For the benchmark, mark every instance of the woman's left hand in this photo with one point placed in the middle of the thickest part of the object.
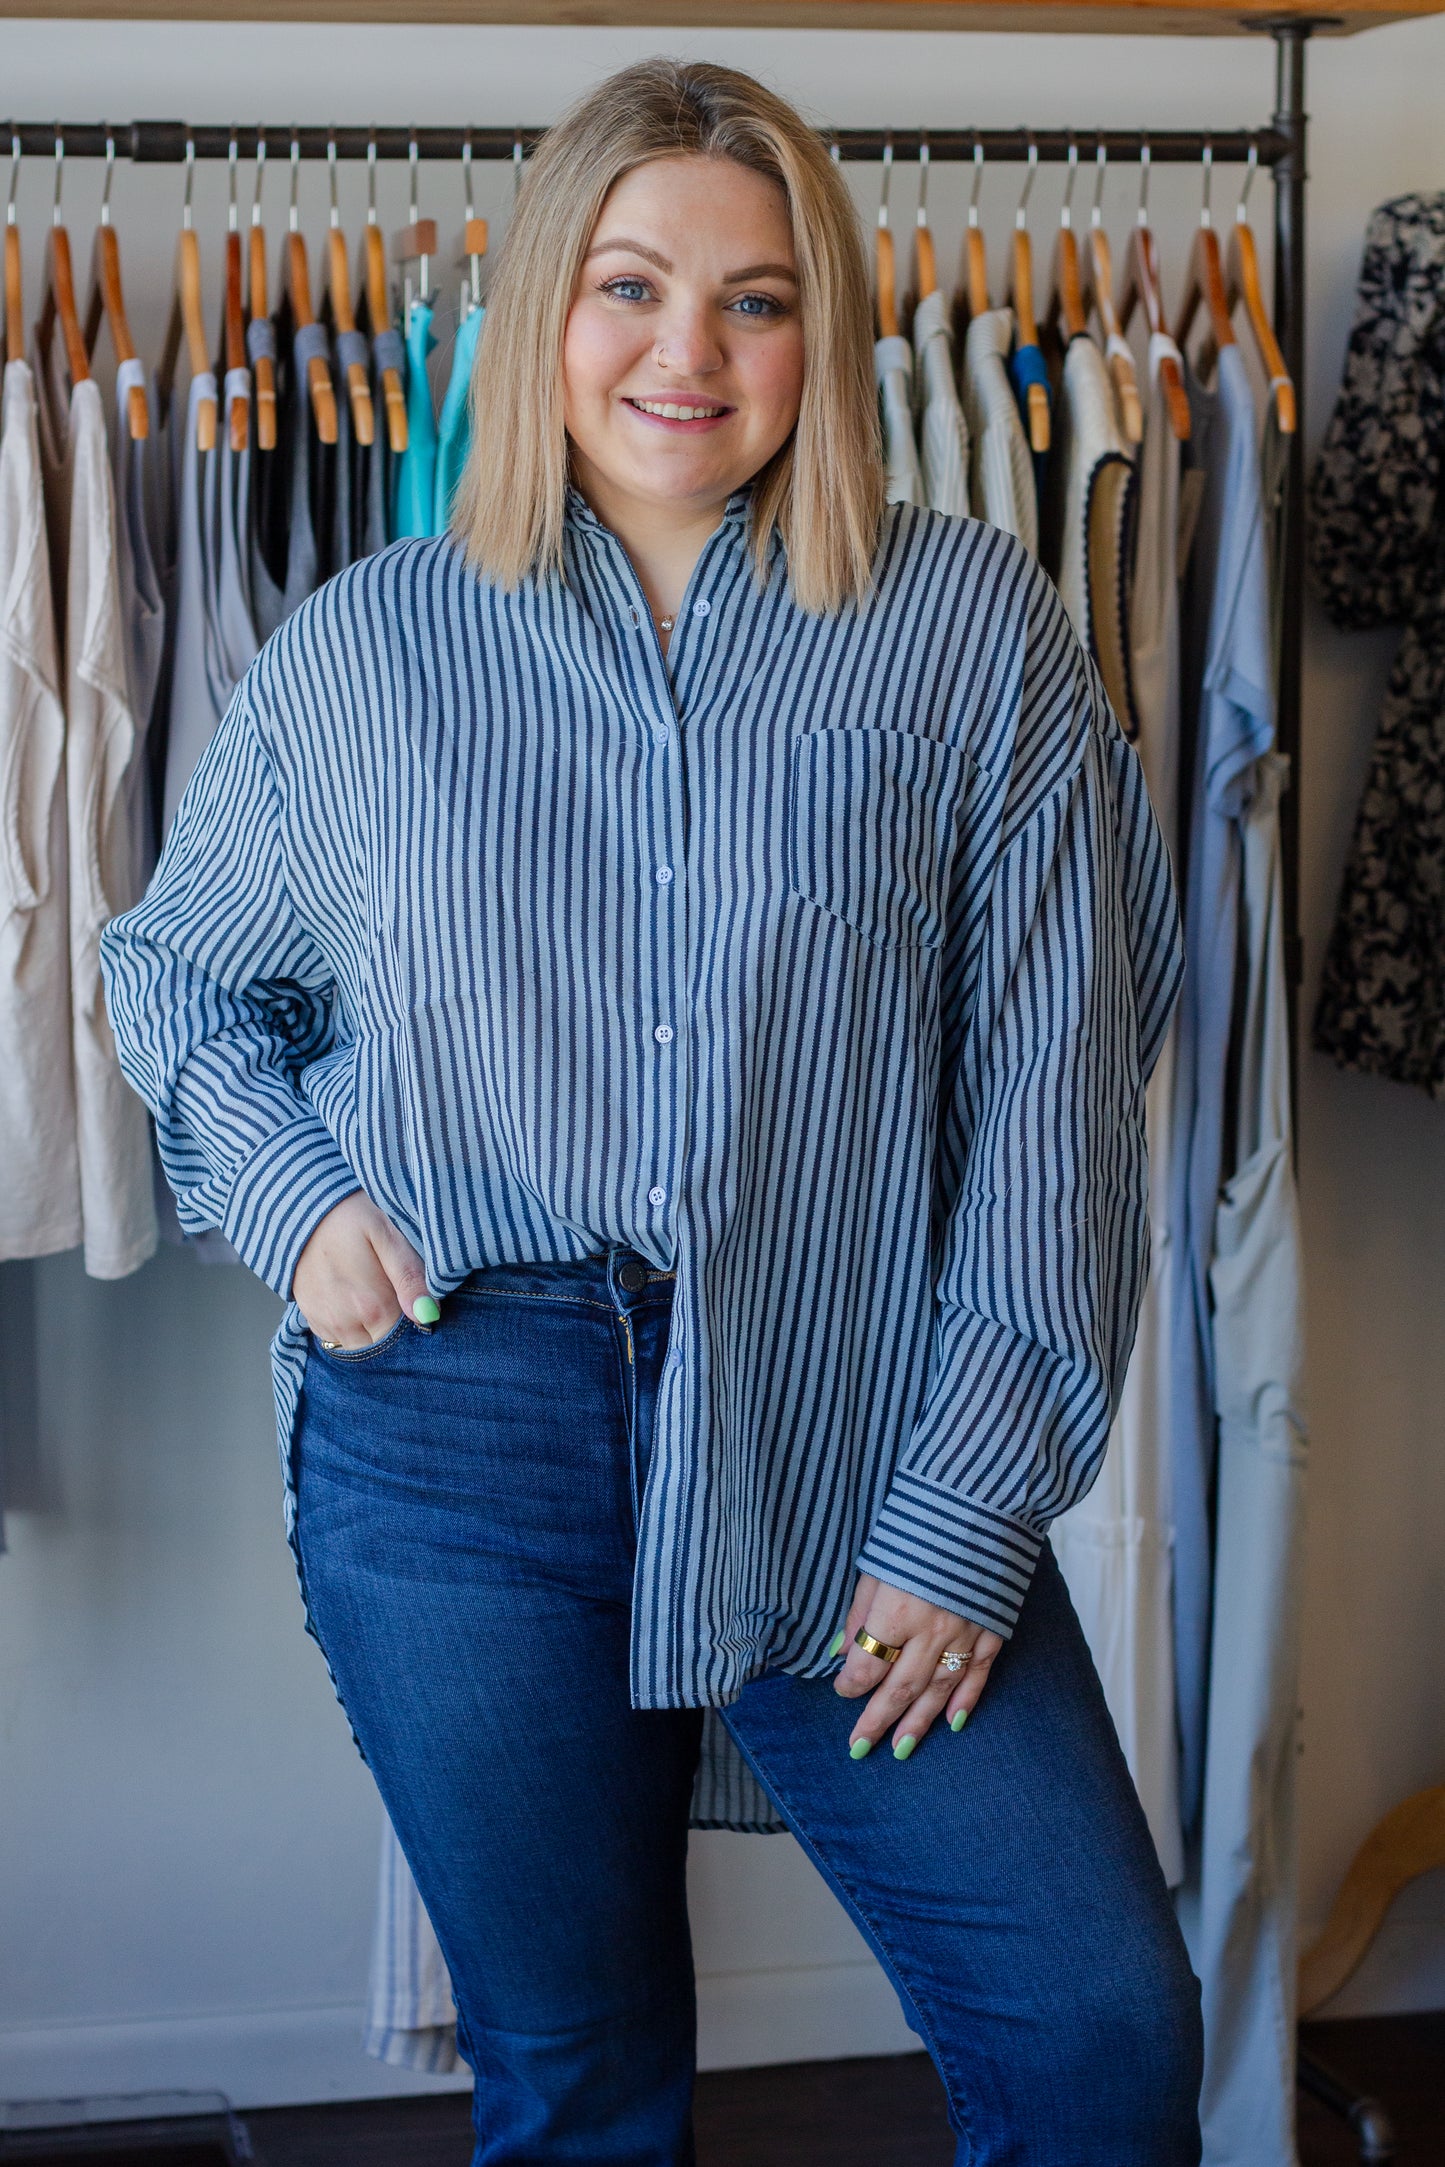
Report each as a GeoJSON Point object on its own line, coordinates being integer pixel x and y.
{"type": "Point", "coordinates": [908, 1694]}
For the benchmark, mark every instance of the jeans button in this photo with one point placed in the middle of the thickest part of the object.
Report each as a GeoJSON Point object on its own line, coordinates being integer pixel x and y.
{"type": "Point", "coordinates": [631, 1276]}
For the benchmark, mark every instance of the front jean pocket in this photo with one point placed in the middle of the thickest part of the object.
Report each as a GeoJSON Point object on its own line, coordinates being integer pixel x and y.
{"type": "Point", "coordinates": [872, 820]}
{"type": "Point", "coordinates": [387, 1340]}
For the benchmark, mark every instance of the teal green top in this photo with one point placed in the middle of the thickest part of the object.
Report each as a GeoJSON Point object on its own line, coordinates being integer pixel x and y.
{"type": "Point", "coordinates": [414, 486]}
{"type": "Point", "coordinates": [455, 429]}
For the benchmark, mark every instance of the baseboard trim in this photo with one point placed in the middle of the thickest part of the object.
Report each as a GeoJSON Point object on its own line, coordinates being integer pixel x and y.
{"type": "Point", "coordinates": [301, 2057]}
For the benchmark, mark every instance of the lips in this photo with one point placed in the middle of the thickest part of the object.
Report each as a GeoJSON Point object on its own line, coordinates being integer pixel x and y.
{"type": "Point", "coordinates": [684, 414]}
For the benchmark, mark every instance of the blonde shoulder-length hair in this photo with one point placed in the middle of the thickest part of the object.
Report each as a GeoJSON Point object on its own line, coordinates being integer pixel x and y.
{"type": "Point", "coordinates": [824, 488]}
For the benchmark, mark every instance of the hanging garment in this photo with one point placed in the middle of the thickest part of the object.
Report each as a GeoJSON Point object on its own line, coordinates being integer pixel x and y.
{"type": "Point", "coordinates": [352, 457]}
{"type": "Point", "coordinates": [1227, 701]}
{"type": "Point", "coordinates": [40, 1188]}
{"type": "Point", "coordinates": [1377, 546]}
{"type": "Point", "coordinates": [942, 430]}
{"type": "Point", "coordinates": [1001, 484]}
{"type": "Point", "coordinates": [415, 478]}
{"type": "Point", "coordinates": [1116, 1545]}
{"type": "Point", "coordinates": [194, 707]}
{"type": "Point", "coordinates": [228, 514]}
{"type": "Point", "coordinates": [411, 2015]}
{"type": "Point", "coordinates": [142, 601]}
{"type": "Point", "coordinates": [454, 430]}
{"type": "Point", "coordinates": [1028, 370]}
{"type": "Point", "coordinates": [1238, 1907]}
{"type": "Point", "coordinates": [388, 351]}
{"type": "Point", "coordinates": [1085, 529]}
{"type": "Point", "coordinates": [293, 486]}
{"type": "Point", "coordinates": [113, 1134]}
{"type": "Point", "coordinates": [893, 368]}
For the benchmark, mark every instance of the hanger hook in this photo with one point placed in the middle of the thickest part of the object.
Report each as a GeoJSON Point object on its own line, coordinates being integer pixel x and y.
{"type": "Point", "coordinates": [1066, 211]}
{"type": "Point", "coordinates": [1021, 215]}
{"type": "Point", "coordinates": [977, 180]}
{"type": "Point", "coordinates": [10, 215]}
{"type": "Point", "coordinates": [233, 216]}
{"type": "Point", "coordinates": [1101, 167]}
{"type": "Point", "coordinates": [835, 151]}
{"type": "Point", "coordinates": [467, 175]}
{"type": "Point", "coordinates": [260, 175]}
{"type": "Point", "coordinates": [1208, 164]}
{"type": "Point", "coordinates": [413, 157]}
{"type": "Point", "coordinates": [1251, 168]}
{"type": "Point", "coordinates": [923, 158]}
{"type": "Point", "coordinates": [1145, 160]}
{"type": "Point", "coordinates": [331, 175]}
{"type": "Point", "coordinates": [109, 177]}
{"type": "Point", "coordinates": [293, 215]}
{"type": "Point", "coordinates": [59, 172]}
{"type": "Point", "coordinates": [516, 164]}
{"type": "Point", "coordinates": [371, 178]}
{"type": "Point", "coordinates": [186, 220]}
{"type": "Point", "coordinates": [887, 177]}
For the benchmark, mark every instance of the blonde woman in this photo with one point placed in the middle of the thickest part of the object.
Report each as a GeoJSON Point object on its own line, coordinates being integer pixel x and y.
{"type": "Point", "coordinates": [662, 979]}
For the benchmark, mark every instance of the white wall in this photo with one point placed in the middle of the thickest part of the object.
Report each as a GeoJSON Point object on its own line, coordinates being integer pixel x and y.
{"type": "Point", "coordinates": [189, 1840]}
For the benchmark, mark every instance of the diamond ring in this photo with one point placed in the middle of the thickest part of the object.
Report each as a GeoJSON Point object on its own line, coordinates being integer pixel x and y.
{"type": "Point", "coordinates": [954, 1658]}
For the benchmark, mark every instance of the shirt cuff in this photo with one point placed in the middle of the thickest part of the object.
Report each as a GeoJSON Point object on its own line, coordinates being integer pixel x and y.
{"type": "Point", "coordinates": [952, 1551]}
{"type": "Point", "coordinates": [288, 1184]}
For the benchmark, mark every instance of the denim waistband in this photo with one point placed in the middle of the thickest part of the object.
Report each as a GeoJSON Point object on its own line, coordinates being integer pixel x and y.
{"type": "Point", "coordinates": [617, 1274]}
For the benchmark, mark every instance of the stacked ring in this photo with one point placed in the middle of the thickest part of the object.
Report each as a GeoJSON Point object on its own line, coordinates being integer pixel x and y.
{"type": "Point", "coordinates": [954, 1658]}
{"type": "Point", "coordinates": [870, 1646]}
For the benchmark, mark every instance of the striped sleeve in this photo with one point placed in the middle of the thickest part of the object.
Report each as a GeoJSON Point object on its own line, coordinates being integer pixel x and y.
{"type": "Point", "coordinates": [1045, 1243]}
{"type": "Point", "coordinates": [218, 998]}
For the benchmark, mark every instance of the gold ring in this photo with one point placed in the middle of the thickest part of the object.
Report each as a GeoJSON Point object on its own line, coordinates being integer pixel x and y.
{"type": "Point", "coordinates": [954, 1658]}
{"type": "Point", "coordinates": [331, 1344]}
{"type": "Point", "coordinates": [870, 1646]}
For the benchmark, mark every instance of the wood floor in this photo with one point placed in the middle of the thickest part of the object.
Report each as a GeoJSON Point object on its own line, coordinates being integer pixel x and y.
{"type": "Point", "coordinates": [884, 2113]}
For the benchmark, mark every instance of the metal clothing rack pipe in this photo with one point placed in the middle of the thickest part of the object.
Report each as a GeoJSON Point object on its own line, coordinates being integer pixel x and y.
{"type": "Point", "coordinates": [163, 142]}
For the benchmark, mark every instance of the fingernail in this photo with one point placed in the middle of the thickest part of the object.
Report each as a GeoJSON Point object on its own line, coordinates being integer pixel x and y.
{"type": "Point", "coordinates": [859, 1747]}
{"type": "Point", "coordinates": [425, 1310]}
{"type": "Point", "coordinates": [836, 1643]}
{"type": "Point", "coordinates": [904, 1746]}
{"type": "Point", "coordinates": [956, 1723]}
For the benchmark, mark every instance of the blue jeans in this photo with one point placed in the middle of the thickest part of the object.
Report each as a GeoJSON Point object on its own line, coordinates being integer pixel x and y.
{"type": "Point", "coordinates": [467, 1507]}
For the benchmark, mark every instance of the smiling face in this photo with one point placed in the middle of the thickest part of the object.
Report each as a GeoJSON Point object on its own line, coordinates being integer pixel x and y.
{"type": "Point", "coordinates": [687, 298]}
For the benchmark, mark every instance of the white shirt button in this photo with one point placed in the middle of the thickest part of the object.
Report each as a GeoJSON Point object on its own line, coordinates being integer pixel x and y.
{"type": "Point", "coordinates": [660, 733]}
{"type": "Point", "coordinates": [701, 608]}
{"type": "Point", "coordinates": [657, 1196]}
{"type": "Point", "coordinates": [663, 1033]}
{"type": "Point", "coordinates": [664, 874]}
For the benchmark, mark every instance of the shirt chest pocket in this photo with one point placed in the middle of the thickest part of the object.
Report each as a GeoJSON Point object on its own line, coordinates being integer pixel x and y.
{"type": "Point", "coordinates": [872, 817]}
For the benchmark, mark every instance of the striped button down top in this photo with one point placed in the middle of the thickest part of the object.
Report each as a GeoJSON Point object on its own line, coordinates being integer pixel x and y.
{"type": "Point", "coordinates": [822, 960]}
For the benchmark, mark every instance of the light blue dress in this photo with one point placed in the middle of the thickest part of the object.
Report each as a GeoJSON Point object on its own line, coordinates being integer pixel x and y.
{"type": "Point", "coordinates": [454, 431]}
{"type": "Point", "coordinates": [414, 480]}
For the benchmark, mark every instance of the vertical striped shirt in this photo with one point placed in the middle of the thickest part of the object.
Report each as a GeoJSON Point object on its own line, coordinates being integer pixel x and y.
{"type": "Point", "coordinates": [822, 960]}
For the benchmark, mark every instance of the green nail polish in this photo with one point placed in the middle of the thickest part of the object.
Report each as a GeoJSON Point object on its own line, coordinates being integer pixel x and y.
{"type": "Point", "coordinates": [859, 1747]}
{"type": "Point", "coordinates": [425, 1310]}
{"type": "Point", "coordinates": [904, 1746]}
{"type": "Point", "coordinates": [956, 1723]}
{"type": "Point", "coordinates": [837, 1642]}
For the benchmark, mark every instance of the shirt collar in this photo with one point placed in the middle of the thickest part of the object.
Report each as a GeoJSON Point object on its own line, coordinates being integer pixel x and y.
{"type": "Point", "coordinates": [580, 513]}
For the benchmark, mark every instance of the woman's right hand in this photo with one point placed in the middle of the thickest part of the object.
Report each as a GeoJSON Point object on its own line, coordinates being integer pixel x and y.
{"type": "Point", "coordinates": [356, 1273]}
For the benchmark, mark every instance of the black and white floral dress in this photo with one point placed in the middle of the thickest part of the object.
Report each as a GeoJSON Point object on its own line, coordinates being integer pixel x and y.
{"type": "Point", "coordinates": [1377, 549]}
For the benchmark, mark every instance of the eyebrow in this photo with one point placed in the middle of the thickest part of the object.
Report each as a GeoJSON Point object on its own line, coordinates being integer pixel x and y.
{"type": "Point", "coordinates": [733, 278]}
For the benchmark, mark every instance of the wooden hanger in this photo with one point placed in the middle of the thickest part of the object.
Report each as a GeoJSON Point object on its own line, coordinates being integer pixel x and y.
{"type": "Point", "coordinates": [186, 316]}
{"type": "Point", "coordinates": [338, 288]}
{"type": "Point", "coordinates": [263, 368]}
{"type": "Point", "coordinates": [298, 286]}
{"type": "Point", "coordinates": [885, 270]}
{"type": "Point", "coordinates": [1141, 284]}
{"type": "Point", "coordinates": [233, 317]}
{"type": "Point", "coordinates": [376, 298]}
{"type": "Point", "coordinates": [57, 297]}
{"type": "Point", "coordinates": [14, 286]}
{"type": "Point", "coordinates": [1065, 307]}
{"type": "Point", "coordinates": [1098, 292]}
{"type": "Point", "coordinates": [1021, 299]}
{"type": "Point", "coordinates": [107, 303]}
{"type": "Point", "coordinates": [472, 246]}
{"type": "Point", "coordinates": [1410, 1841]}
{"type": "Point", "coordinates": [923, 269]}
{"type": "Point", "coordinates": [970, 296]}
{"type": "Point", "coordinates": [1242, 282]}
{"type": "Point", "coordinates": [1204, 278]}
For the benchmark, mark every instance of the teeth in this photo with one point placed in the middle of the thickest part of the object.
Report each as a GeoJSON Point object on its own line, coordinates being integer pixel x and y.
{"type": "Point", "coordinates": [677, 413]}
